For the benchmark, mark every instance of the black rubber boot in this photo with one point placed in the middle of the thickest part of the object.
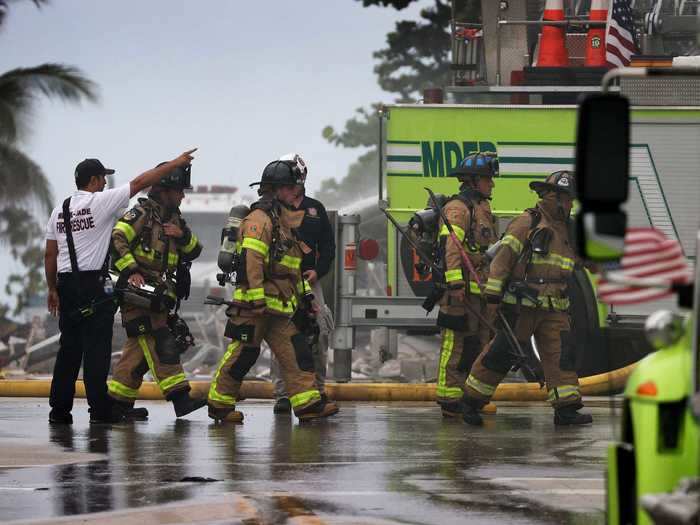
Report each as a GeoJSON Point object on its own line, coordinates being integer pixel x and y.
{"type": "Point", "coordinates": [470, 411]}
{"type": "Point", "coordinates": [137, 414]}
{"type": "Point", "coordinates": [283, 406]}
{"type": "Point", "coordinates": [112, 417]}
{"type": "Point", "coordinates": [570, 416]}
{"type": "Point", "coordinates": [184, 404]}
{"type": "Point", "coordinates": [225, 415]}
{"type": "Point", "coordinates": [57, 417]}
{"type": "Point", "coordinates": [120, 409]}
{"type": "Point", "coordinates": [125, 411]}
{"type": "Point", "coordinates": [451, 409]}
{"type": "Point", "coordinates": [318, 410]}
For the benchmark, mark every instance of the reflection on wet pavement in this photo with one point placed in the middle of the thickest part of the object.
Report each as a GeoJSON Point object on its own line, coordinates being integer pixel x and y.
{"type": "Point", "coordinates": [399, 462]}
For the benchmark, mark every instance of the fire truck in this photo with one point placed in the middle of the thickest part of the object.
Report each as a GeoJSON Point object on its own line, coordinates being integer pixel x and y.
{"type": "Point", "coordinates": [501, 100]}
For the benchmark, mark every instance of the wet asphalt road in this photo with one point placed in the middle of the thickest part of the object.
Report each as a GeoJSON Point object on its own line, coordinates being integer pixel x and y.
{"type": "Point", "coordinates": [372, 462]}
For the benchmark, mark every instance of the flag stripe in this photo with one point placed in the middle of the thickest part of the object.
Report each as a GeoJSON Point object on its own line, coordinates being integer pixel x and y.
{"type": "Point", "coordinates": [613, 53]}
{"type": "Point", "coordinates": [651, 258]}
{"type": "Point", "coordinates": [623, 37]}
{"type": "Point", "coordinates": [640, 297]}
{"type": "Point", "coordinates": [680, 275]}
{"type": "Point", "coordinates": [619, 34]}
{"type": "Point", "coordinates": [631, 262]}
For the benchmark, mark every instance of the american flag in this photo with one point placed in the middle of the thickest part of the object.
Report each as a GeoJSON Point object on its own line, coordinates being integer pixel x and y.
{"type": "Point", "coordinates": [649, 258]}
{"type": "Point", "coordinates": [619, 34]}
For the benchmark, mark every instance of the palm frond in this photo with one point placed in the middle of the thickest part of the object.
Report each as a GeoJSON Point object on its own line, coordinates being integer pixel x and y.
{"type": "Point", "coordinates": [22, 181]}
{"type": "Point", "coordinates": [13, 227]}
{"type": "Point", "coordinates": [5, 5]}
{"type": "Point", "coordinates": [20, 87]}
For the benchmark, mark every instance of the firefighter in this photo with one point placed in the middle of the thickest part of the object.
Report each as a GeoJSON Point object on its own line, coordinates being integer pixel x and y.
{"type": "Point", "coordinates": [151, 246]}
{"type": "Point", "coordinates": [271, 302]}
{"type": "Point", "coordinates": [317, 233]}
{"type": "Point", "coordinates": [528, 281]}
{"type": "Point", "coordinates": [80, 289]}
{"type": "Point", "coordinates": [463, 334]}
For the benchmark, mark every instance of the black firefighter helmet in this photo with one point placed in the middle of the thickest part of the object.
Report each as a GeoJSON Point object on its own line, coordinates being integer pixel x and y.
{"type": "Point", "coordinates": [177, 179]}
{"type": "Point", "coordinates": [560, 181]}
{"type": "Point", "coordinates": [279, 173]}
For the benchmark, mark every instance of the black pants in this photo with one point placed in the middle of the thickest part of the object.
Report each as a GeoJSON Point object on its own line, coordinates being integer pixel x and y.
{"type": "Point", "coordinates": [87, 340]}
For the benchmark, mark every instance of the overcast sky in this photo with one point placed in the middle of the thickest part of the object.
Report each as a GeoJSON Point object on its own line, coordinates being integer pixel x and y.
{"type": "Point", "coordinates": [243, 81]}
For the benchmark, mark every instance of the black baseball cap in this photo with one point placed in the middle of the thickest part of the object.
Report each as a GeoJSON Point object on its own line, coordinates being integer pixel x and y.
{"type": "Point", "coordinates": [90, 168]}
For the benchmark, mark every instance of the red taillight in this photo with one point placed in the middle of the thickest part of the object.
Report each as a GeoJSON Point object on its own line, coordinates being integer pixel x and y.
{"type": "Point", "coordinates": [368, 249]}
{"type": "Point", "coordinates": [350, 261]}
{"type": "Point", "coordinates": [647, 389]}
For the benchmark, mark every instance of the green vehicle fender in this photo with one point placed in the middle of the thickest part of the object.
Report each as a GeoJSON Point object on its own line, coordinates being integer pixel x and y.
{"type": "Point", "coordinates": [664, 372]}
{"type": "Point", "coordinates": [660, 437]}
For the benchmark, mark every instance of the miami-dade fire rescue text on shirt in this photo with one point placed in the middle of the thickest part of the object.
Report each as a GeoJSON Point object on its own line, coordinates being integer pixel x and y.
{"type": "Point", "coordinates": [92, 218]}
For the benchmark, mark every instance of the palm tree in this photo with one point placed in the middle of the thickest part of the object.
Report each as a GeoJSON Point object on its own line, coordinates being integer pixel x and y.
{"type": "Point", "coordinates": [22, 182]}
{"type": "Point", "coordinates": [24, 189]}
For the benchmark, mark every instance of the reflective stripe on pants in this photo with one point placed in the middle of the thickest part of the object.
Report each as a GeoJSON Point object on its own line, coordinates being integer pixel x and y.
{"type": "Point", "coordinates": [138, 356]}
{"type": "Point", "coordinates": [277, 332]}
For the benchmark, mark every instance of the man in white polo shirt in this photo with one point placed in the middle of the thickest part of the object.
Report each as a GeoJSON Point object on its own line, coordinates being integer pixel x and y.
{"type": "Point", "coordinates": [79, 286]}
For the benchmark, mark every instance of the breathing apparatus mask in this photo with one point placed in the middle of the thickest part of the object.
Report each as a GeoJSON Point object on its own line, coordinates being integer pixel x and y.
{"type": "Point", "coordinates": [181, 332]}
{"type": "Point", "coordinates": [423, 226]}
{"type": "Point", "coordinates": [156, 298]}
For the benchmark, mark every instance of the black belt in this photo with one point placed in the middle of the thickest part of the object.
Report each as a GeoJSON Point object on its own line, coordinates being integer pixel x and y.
{"type": "Point", "coordinates": [534, 280]}
{"type": "Point", "coordinates": [87, 275]}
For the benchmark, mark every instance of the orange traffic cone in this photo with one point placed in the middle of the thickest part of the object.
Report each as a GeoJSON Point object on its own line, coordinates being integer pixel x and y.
{"type": "Point", "coordinates": [553, 42]}
{"type": "Point", "coordinates": [595, 41]}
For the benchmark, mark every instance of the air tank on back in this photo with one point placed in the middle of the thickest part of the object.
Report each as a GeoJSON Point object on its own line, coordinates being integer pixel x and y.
{"type": "Point", "coordinates": [227, 259]}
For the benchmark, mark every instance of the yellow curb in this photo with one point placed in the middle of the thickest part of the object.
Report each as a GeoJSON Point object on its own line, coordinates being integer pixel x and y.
{"type": "Point", "coordinates": [600, 384]}
{"type": "Point", "coordinates": [229, 508]}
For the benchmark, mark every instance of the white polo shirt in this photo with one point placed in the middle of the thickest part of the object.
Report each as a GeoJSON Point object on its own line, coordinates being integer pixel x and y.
{"type": "Point", "coordinates": [93, 216]}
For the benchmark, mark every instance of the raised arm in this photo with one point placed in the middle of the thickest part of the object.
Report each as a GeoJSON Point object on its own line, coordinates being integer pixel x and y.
{"type": "Point", "coordinates": [150, 177]}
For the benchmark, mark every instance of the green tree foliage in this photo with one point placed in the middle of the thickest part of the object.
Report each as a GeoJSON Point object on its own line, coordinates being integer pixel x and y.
{"type": "Point", "coordinates": [417, 54]}
{"type": "Point", "coordinates": [24, 188]}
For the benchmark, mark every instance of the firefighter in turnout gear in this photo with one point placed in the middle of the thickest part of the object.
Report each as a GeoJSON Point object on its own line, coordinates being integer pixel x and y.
{"type": "Point", "coordinates": [271, 302]}
{"type": "Point", "coordinates": [528, 280]}
{"type": "Point", "coordinates": [317, 233]}
{"type": "Point", "coordinates": [151, 246]}
{"type": "Point", "coordinates": [463, 334]}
